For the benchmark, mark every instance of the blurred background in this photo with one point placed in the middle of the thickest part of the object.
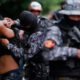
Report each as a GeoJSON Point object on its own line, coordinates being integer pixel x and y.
{"type": "Point", "coordinates": [12, 8]}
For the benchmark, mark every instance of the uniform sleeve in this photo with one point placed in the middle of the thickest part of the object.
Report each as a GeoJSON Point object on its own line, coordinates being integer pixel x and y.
{"type": "Point", "coordinates": [18, 52]}
{"type": "Point", "coordinates": [58, 51]}
{"type": "Point", "coordinates": [35, 42]}
{"type": "Point", "coordinates": [54, 33]}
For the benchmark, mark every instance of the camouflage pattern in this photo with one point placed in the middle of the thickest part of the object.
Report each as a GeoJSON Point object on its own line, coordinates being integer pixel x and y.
{"type": "Point", "coordinates": [17, 49]}
{"type": "Point", "coordinates": [54, 34]}
{"type": "Point", "coordinates": [69, 66]}
{"type": "Point", "coordinates": [59, 51]}
{"type": "Point", "coordinates": [43, 23]}
{"type": "Point", "coordinates": [59, 54]}
{"type": "Point", "coordinates": [38, 70]}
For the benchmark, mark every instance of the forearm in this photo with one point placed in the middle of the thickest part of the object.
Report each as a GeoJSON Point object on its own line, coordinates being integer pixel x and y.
{"type": "Point", "coordinates": [6, 32]}
{"type": "Point", "coordinates": [18, 52]}
{"type": "Point", "coordinates": [5, 28]}
{"type": "Point", "coordinates": [59, 53]}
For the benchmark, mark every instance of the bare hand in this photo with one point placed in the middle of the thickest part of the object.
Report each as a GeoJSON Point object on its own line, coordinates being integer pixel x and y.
{"type": "Point", "coordinates": [8, 22]}
{"type": "Point", "coordinates": [49, 44]}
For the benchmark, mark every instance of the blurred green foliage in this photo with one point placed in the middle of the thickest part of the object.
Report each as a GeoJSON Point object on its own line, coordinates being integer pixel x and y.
{"type": "Point", "coordinates": [50, 5]}
{"type": "Point", "coordinates": [12, 8]}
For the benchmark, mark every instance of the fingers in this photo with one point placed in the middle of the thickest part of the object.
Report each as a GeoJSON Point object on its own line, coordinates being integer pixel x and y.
{"type": "Point", "coordinates": [8, 22]}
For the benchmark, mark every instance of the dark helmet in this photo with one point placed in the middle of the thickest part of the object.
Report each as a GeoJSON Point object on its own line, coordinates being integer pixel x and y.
{"type": "Point", "coordinates": [72, 7]}
{"type": "Point", "coordinates": [27, 19]}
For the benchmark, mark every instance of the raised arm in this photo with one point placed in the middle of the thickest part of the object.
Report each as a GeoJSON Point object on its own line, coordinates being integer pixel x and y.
{"type": "Point", "coordinates": [5, 26]}
{"type": "Point", "coordinates": [53, 46]}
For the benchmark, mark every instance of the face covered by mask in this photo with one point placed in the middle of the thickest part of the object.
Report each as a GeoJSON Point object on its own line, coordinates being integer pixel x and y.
{"type": "Point", "coordinates": [28, 20]}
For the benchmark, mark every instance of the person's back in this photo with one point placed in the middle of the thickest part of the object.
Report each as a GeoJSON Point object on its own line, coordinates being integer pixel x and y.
{"type": "Point", "coordinates": [39, 68]}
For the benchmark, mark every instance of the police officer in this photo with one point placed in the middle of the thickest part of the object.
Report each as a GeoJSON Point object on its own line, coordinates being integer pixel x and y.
{"type": "Point", "coordinates": [61, 44]}
{"type": "Point", "coordinates": [42, 24]}
{"type": "Point", "coordinates": [69, 27]}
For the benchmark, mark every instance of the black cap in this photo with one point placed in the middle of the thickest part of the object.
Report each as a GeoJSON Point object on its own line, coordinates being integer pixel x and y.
{"type": "Point", "coordinates": [28, 19]}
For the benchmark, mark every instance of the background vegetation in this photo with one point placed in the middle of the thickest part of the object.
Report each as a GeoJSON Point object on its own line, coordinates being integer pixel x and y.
{"type": "Point", "coordinates": [12, 8]}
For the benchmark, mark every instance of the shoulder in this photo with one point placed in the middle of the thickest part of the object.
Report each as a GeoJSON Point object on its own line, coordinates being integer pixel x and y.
{"type": "Point", "coordinates": [44, 21]}
{"type": "Point", "coordinates": [36, 36]}
{"type": "Point", "coordinates": [42, 17]}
